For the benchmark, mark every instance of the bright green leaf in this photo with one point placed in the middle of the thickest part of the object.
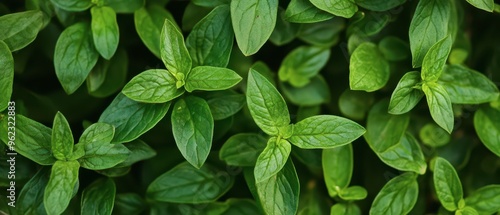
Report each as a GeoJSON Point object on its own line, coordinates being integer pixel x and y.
{"type": "Point", "coordinates": [99, 197]}
{"type": "Point", "coordinates": [405, 97]}
{"type": "Point", "coordinates": [242, 149]}
{"type": "Point", "coordinates": [405, 156]}
{"type": "Point", "coordinates": [174, 53]}
{"type": "Point", "coordinates": [102, 155]}
{"type": "Point", "coordinates": [435, 59]}
{"type": "Point", "coordinates": [303, 11]}
{"type": "Point", "coordinates": [6, 75]}
{"type": "Point", "coordinates": [337, 166]}
{"type": "Point", "coordinates": [105, 31]}
{"type": "Point", "coordinates": [62, 138]}
{"type": "Point", "coordinates": [369, 71]}
{"type": "Point", "coordinates": [153, 86]}
{"type": "Point", "coordinates": [272, 159]}
{"type": "Point", "coordinates": [345, 209]}
{"type": "Point", "coordinates": [148, 23]}
{"type": "Point", "coordinates": [486, 200]}
{"type": "Point", "coordinates": [342, 8]}
{"type": "Point", "coordinates": [433, 135]}
{"type": "Point", "coordinates": [101, 132]}
{"type": "Point", "coordinates": [302, 64]}
{"type": "Point", "coordinates": [353, 193]}
{"type": "Point", "coordinates": [439, 105]}
{"type": "Point", "coordinates": [59, 190]}
{"type": "Point", "coordinates": [210, 78]}
{"type": "Point", "coordinates": [487, 128]}
{"type": "Point", "coordinates": [487, 5]}
{"type": "Point", "coordinates": [20, 29]}
{"type": "Point", "coordinates": [398, 196]}
{"type": "Point", "coordinates": [447, 184]}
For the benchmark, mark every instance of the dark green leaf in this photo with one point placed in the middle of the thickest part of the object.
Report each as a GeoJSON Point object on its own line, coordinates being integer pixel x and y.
{"type": "Point", "coordinates": [105, 31]}
{"type": "Point", "coordinates": [124, 6]}
{"type": "Point", "coordinates": [224, 104]}
{"type": "Point", "coordinates": [210, 3]}
{"type": "Point", "coordinates": [337, 168]}
{"type": "Point", "coordinates": [447, 184]}
{"type": "Point", "coordinates": [73, 5]}
{"type": "Point", "coordinates": [153, 86]}
{"type": "Point", "coordinates": [31, 196]}
{"type": "Point", "coordinates": [253, 22]}
{"type": "Point", "coordinates": [303, 11]}
{"type": "Point", "coordinates": [486, 200]}
{"type": "Point", "coordinates": [20, 29]}
{"type": "Point", "coordinates": [139, 150]}
{"type": "Point", "coordinates": [114, 75]}
{"type": "Point", "coordinates": [342, 8]}
{"type": "Point", "coordinates": [6, 75]}
{"type": "Point", "coordinates": [368, 24]}
{"type": "Point", "coordinates": [193, 128]}
{"type": "Point", "coordinates": [59, 190]}
{"type": "Point", "coordinates": [211, 40]}
{"type": "Point", "coordinates": [187, 184]}
{"type": "Point", "coordinates": [314, 93]}
{"type": "Point", "coordinates": [303, 63]}
{"type": "Point", "coordinates": [433, 135]}
{"type": "Point", "coordinates": [210, 78]}
{"type": "Point", "coordinates": [379, 5]}
{"type": "Point", "coordinates": [405, 97]}
{"type": "Point", "coordinates": [355, 104]}
{"type": "Point", "coordinates": [272, 159]}
{"type": "Point", "coordinates": [435, 59]}
{"type": "Point", "coordinates": [102, 155]}
{"type": "Point", "coordinates": [369, 71]}
{"type": "Point", "coordinates": [242, 149]}
{"type": "Point", "coordinates": [148, 23]}
{"type": "Point", "coordinates": [128, 203]}
{"type": "Point", "coordinates": [393, 48]}
{"type": "Point", "coordinates": [487, 128]}
{"type": "Point", "coordinates": [62, 138]}
{"type": "Point", "coordinates": [241, 207]}
{"type": "Point", "coordinates": [405, 156]}
{"type": "Point", "coordinates": [74, 56]}
{"type": "Point", "coordinates": [398, 196]}
{"type": "Point", "coordinates": [285, 31]}
{"type": "Point", "coordinates": [324, 34]}
{"type": "Point", "coordinates": [439, 105]}
{"type": "Point", "coordinates": [130, 118]}
{"type": "Point", "coordinates": [99, 197]}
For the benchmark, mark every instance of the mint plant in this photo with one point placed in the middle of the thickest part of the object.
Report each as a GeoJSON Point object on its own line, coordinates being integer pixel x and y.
{"type": "Point", "coordinates": [249, 107]}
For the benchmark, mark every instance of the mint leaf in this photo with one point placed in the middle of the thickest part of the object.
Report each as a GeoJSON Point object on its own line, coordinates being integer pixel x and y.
{"type": "Point", "coordinates": [266, 105]}
{"type": "Point", "coordinates": [174, 53]}
{"type": "Point", "coordinates": [393, 48]}
{"type": "Point", "coordinates": [342, 8]}
{"type": "Point", "coordinates": [31, 196]}
{"type": "Point", "coordinates": [211, 40]}
{"type": "Point", "coordinates": [487, 5]}
{"type": "Point", "coordinates": [33, 139]}
{"type": "Point", "coordinates": [355, 104]}
{"type": "Point", "coordinates": [280, 194]}
{"type": "Point", "coordinates": [368, 69]}
{"type": "Point", "coordinates": [345, 208]}
{"type": "Point", "coordinates": [324, 34]}
{"type": "Point", "coordinates": [353, 193]}
{"type": "Point", "coordinates": [114, 74]}
{"type": "Point", "coordinates": [242, 149]}
{"type": "Point", "coordinates": [398, 196]}
{"type": "Point", "coordinates": [99, 197]}
{"type": "Point", "coordinates": [73, 5]}
{"type": "Point", "coordinates": [486, 200]}
{"type": "Point", "coordinates": [487, 128]}
{"type": "Point", "coordinates": [428, 25]}
{"type": "Point", "coordinates": [210, 78]}
{"type": "Point", "coordinates": [315, 92]}
{"type": "Point", "coordinates": [131, 119]}
{"type": "Point", "coordinates": [99, 131]}
{"type": "Point", "coordinates": [466, 86]}
{"type": "Point", "coordinates": [405, 156]}
{"type": "Point", "coordinates": [187, 184]}
{"type": "Point", "coordinates": [434, 136]}
{"type": "Point", "coordinates": [439, 105]}
{"type": "Point", "coordinates": [20, 29]}
{"type": "Point", "coordinates": [105, 30]}
{"type": "Point", "coordinates": [193, 128]}
{"type": "Point", "coordinates": [435, 59]}
{"type": "Point", "coordinates": [384, 130]}
{"type": "Point", "coordinates": [59, 189]}
{"type": "Point", "coordinates": [285, 31]}
{"type": "Point", "coordinates": [224, 104]}
{"type": "Point", "coordinates": [6, 75]}
{"type": "Point", "coordinates": [124, 6]}
{"type": "Point", "coordinates": [447, 184]}
{"type": "Point", "coordinates": [139, 151]}
{"type": "Point", "coordinates": [405, 97]}
{"type": "Point", "coordinates": [129, 203]}
{"type": "Point", "coordinates": [337, 166]}
{"type": "Point", "coordinates": [148, 24]}
{"type": "Point", "coordinates": [210, 3]}
{"type": "Point", "coordinates": [102, 155]}
{"type": "Point", "coordinates": [379, 5]}
{"type": "Point", "coordinates": [325, 131]}
{"type": "Point", "coordinates": [62, 138]}
{"type": "Point", "coordinates": [303, 63]}
{"type": "Point", "coordinates": [303, 11]}
{"type": "Point", "coordinates": [272, 159]}
{"type": "Point", "coordinates": [253, 23]}
{"type": "Point", "coordinates": [75, 56]}
{"type": "Point", "coordinates": [153, 86]}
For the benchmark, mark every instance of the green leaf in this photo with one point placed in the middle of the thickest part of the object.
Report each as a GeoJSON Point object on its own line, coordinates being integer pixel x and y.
{"type": "Point", "coordinates": [325, 131]}
{"type": "Point", "coordinates": [6, 75]}
{"type": "Point", "coordinates": [192, 15]}
{"type": "Point", "coordinates": [355, 104]}
{"type": "Point", "coordinates": [272, 159]}
{"type": "Point", "coordinates": [487, 5]}
{"type": "Point", "coordinates": [210, 3]}
{"type": "Point", "coordinates": [224, 104]}
{"type": "Point", "coordinates": [210, 78]}
{"type": "Point", "coordinates": [99, 197]}
{"type": "Point", "coordinates": [33, 139]}
{"type": "Point", "coordinates": [139, 151]}
{"type": "Point", "coordinates": [324, 34]}
{"type": "Point", "coordinates": [433, 135]}
{"type": "Point", "coordinates": [405, 97]}
{"type": "Point", "coordinates": [303, 11]}
{"type": "Point", "coordinates": [102, 155]}
{"type": "Point", "coordinates": [466, 211]}
{"type": "Point", "coordinates": [405, 156]}
{"type": "Point", "coordinates": [369, 71]}
{"type": "Point", "coordinates": [345, 209]}
{"type": "Point", "coordinates": [337, 166]}
{"type": "Point", "coordinates": [466, 86]}
{"type": "Point", "coordinates": [148, 24]}
{"type": "Point", "coordinates": [211, 40]}
{"type": "Point", "coordinates": [393, 48]}
{"type": "Point", "coordinates": [439, 105]}
{"type": "Point", "coordinates": [447, 184]}
{"type": "Point", "coordinates": [342, 8]}
{"type": "Point", "coordinates": [74, 56]}
{"type": "Point", "coordinates": [487, 128]}
{"type": "Point", "coordinates": [73, 5]}
{"type": "Point", "coordinates": [315, 92]}
{"type": "Point", "coordinates": [187, 184]}
{"type": "Point", "coordinates": [253, 23]}
{"type": "Point", "coordinates": [20, 29]}
{"type": "Point", "coordinates": [114, 76]}
{"type": "Point", "coordinates": [174, 53]}
{"type": "Point", "coordinates": [353, 193]}
{"type": "Point", "coordinates": [266, 105]}
{"type": "Point", "coordinates": [398, 196]}
{"type": "Point", "coordinates": [124, 6]}
{"type": "Point", "coordinates": [285, 31]}
{"type": "Point", "coordinates": [379, 5]}
{"type": "Point", "coordinates": [368, 24]}
{"type": "Point", "coordinates": [59, 190]}
{"type": "Point", "coordinates": [131, 119]}
{"type": "Point", "coordinates": [242, 149]}
{"type": "Point", "coordinates": [31, 196]}
{"type": "Point", "coordinates": [486, 200]}
{"type": "Point", "coordinates": [435, 59]}
{"type": "Point", "coordinates": [428, 25]}
{"type": "Point", "coordinates": [193, 128]}
{"type": "Point", "coordinates": [105, 30]}
{"type": "Point", "coordinates": [302, 64]}
{"type": "Point", "coordinates": [99, 131]}
{"type": "Point", "coordinates": [129, 203]}
{"type": "Point", "coordinates": [62, 138]}
{"type": "Point", "coordinates": [280, 194]}
{"type": "Point", "coordinates": [241, 207]}
{"type": "Point", "coordinates": [384, 130]}
{"type": "Point", "coordinates": [153, 86]}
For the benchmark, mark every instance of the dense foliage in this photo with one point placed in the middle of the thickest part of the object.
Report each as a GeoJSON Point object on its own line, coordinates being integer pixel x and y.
{"type": "Point", "coordinates": [250, 107]}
